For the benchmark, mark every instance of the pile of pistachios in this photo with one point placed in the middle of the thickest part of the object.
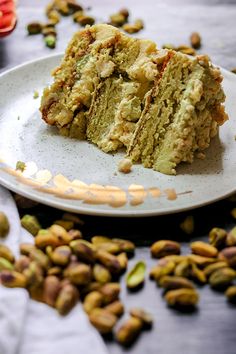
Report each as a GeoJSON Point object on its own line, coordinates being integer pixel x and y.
{"type": "Point", "coordinates": [213, 263]}
{"type": "Point", "coordinates": [195, 44]}
{"type": "Point", "coordinates": [58, 8]}
{"type": "Point", "coordinates": [61, 267]}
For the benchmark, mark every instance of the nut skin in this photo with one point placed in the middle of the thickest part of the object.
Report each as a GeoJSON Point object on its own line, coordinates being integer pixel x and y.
{"type": "Point", "coordinates": [55, 271]}
{"type": "Point", "coordinates": [228, 255]}
{"type": "Point", "coordinates": [92, 301]}
{"type": "Point", "coordinates": [101, 274]}
{"type": "Point", "coordinates": [197, 274]}
{"type": "Point", "coordinates": [118, 19]}
{"type": "Point", "coordinates": [125, 245]}
{"type": "Point", "coordinates": [6, 253]}
{"type": "Point", "coordinates": [136, 276]}
{"type": "Point", "coordinates": [102, 320]}
{"type": "Point", "coordinates": [116, 308]}
{"type": "Point", "coordinates": [201, 261]}
{"type": "Point", "coordinates": [231, 237]}
{"type": "Point", "coordinates": [183, 269]}
{"type": "Point", "coordinates": [165, 267]}
{"type": "Point", "coordinates": [26, 248]}
{"type": "Point", "coordinates": [39, 257]}
{"type": "Point", "coordinates": [169, 282]}
{"type": "Point", "coordinates": [110, 292]}
{"type": "Point", "coordinates": [5, 264]}
{"type": "Point", "coordinates": [220, 279]}
{"type": "Point", "coordinates": [67, 299]}
{"type": "Point", "coordinates": [46, 238]}
{"type": "Point", "coordinates": [78, 273]}
{"type": "Point", "coordinates": [13, 279]}
{"type": "Point", "coordinates": [215, 266]}
{"type": "Point", "coordinates": [22, 263]}
{"type": "Point", "coordinates": [182, 297]}
{"type": "Point", "coordinates": [83, 250]}
{"type": "Point", "coordinates": [231, 294]}
{"type": "Point", "coordinates": [129, 331]}
{"type": "Point", "coordinates": [51, 289]}
{"type": "Point", "coordinates": [203, 249]}
{"type": "Point", "coordinates": [4, 225]}
{"type": "Point", "coordinates": [163, 248]}
{"type": "Point", "coordinates": [217, 237]}
{"type": "Point", "coordinates": [61, 234]}
{"type": "Point", "coordinates": [34, 28]}
{"type": "Point", "coordinates": [109, 260]}
{"type": "Point", "coordinates": [31, 224]}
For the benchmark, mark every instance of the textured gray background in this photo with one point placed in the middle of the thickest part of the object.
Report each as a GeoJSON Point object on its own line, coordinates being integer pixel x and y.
{"type": "Point", "coordinates": [211, 329]}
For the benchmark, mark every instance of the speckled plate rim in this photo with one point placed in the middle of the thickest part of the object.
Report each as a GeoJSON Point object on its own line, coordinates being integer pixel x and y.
{"type": "Point", "coordinates": [60, 203]}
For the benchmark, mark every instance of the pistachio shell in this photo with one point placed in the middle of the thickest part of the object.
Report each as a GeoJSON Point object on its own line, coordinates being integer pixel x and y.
{"type": "Point", "coordinates": [136, 275]}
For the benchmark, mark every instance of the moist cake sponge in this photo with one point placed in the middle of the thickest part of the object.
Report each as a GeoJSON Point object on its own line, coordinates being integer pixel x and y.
{"type": "Point", "coordinates": [117, 91]}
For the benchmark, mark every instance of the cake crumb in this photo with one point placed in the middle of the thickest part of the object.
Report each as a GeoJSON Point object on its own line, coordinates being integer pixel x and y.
{"type": "Point", "coordinates": [125, 166]}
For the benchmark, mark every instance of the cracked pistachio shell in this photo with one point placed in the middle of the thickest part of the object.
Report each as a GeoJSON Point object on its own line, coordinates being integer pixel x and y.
{"type": "Point", "coordinates": [136, 275]}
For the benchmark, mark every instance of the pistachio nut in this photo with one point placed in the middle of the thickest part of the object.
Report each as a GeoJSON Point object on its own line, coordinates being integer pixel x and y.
{"type": "Point", "coordinates": [123, 260]}
{"type": "Point", "coordinates": [73, 217]}
{"type": "Point", "coordinates": [101, 274]}
{"type": "Point", "coordinates": [67, 299]}
{"type": "Point", "coordinates": [185, 49]}
{"type": "Point", "coordinates": [174, 258]}
{"type": "Point", "coordinates": [102, 320]}
{"type": "Point", "coordinates": [136, 275]}
{"type": "Point", "coordinates": [109, 260]}
{"type": "Point", "coordinates": [66, 224]}
{"type": "Point", "coordinates": [84, 250]}
{"type": "Point", "coordinates": [118, 19]}
{"type": "Point", "coordinates": [231, 237]}
{"type": "Point", "coordinates": [142, 315]}
{"type": "Point", "coordinates": [34, 28]}
{"type": "Point", "coordinates": [77, 15]}
{"type": "Point", "coordinates": [63, 7]}
{"type": "Point", "coordinates": [26, 248]}
{"type": "Point", "coordinates": [20, 166]}
{"type": "Point", "coordinates": [49, 31]}
{"type": "Point", "coordinates": [39, 257]}
{"type": "Point", "coordinates": [110, 247]}
{"type": "Point", "coordinates": [165, 267]}
{"type": "Point", "coordinates": [5, 264]}
{"type": "Point", "coordinates": [85, 20]}
{"type": "Point", "coordinates": [61, 234]}
{"type": "Point", "coordinates": [222, 278]}
{"type": "Point", "coordinates": [46, 238]}
{"type": "Point", "coordinates": [182, 297]}
{"type": "Point", "coordinates": [129, 331]}
{"type": "Point", "coordinates": [50, 41]}
{"type": "Point", "coordinates": [116, 308]}
{"type": "Point", "coordinates": [217, 237]}
{"type": "Point", "coordinates": [195, 40]}
{"type": "Point", "coordinates": [215, 266]}
{"type": "Point", "coordinates": [92, 301]}
{"type": "Point", "coordinates": [124, 12]}
{"type": "Point", "coordinates": [187, 225]}
{"type": "Point", "coordinates": [13, 279]}
{"type": "Point", "coordinates": [78, 273]}
{"type": "Point", "coordinates": [54, 16]}
{"type": "Point", "coordinates": [22, 263]}
{"type": "Point", "coordinates": [51, 289]}
{"type": "Point", "coordinates": [228, 255]}
{"type": "Point", "coordinates": [197, 274]}
{"type": "Point", "coordinates": [183, 269]}
{"type": "Point", "coordinates": [125, 245]}
{"type": "Point", "coordinates": [231, 294]}
{"type": "Point", "coordinates": [33, 274]}
{"type": "Point", "coordinates": [201, 261]}
{"type": "Point", "coordinates": [61, 255]}
{"type": "Point", "coordinates": [36, 292]}
{"type": "Point", "coordinates": [98, 240]}
{"type": "Point", "coordinates": [88, 288]}
{"type": "Point", "coordinates": [55, 271]}
{"type": "Point", "coordinates": [31, 224]}
{"type": "Point", "coordinates": [4, 224]}
{"type": "Point", "coordinates": [110, 292]}
{"type": "Point", "coordinates": [6, 253]}
{"type": "Point", "coordinates": [74, 6]}
{"type": "Point", "coordinates": [74, 234]}
{"type": "Point", "coordinates": [169, 282]}
{"type": "Point", "coordinates": [163, 248]}
{"type": "Point", "coordinates": [203, 249]}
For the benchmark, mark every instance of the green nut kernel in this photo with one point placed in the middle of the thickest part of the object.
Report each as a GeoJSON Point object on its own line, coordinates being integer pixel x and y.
{"type": "Point", "coordinates": [163, 248]}
{"type": "Point", "coordinates": [31, 224]}
{"type": "Point", "coordinates": [217, 237]}
{"type": "Point", "coordinates": [4, 225]}
{"type": "Point", "coordinates": [136, 276]}
{"type": "Point", "coordinates": [222, 278]}
{"type": "Point", "coordinates": [129, 331]}
{"type": "Point", "coordinates": [50, 41]}
{"type": "Point", "coordinates": [102, 320]}
{"type": "Point", "coordinates": [182, 297]}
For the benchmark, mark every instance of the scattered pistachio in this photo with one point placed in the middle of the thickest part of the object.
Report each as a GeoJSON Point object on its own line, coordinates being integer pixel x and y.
{"type": "Point", "coordinates": [50, 41]}
{"type": "Point", "coordinates": [34, 28]}
{"type": "Point", "coordinates": [39, 257]}
{"type": "Point", "coordinates": [231, 294]}
{"type": "Point", "coordinates": [92, 301]}
{"type": "Point", "coordinates": [101, 274]}
{"type": "Point", "coordinates": [215, 266]}
{"type": "Point", "coordinates": [26, 248]}
{"type": "Point", "coordinates": [85, 20]}
{"type": "Point", "coordinates": [168, 46]}
{"type": "Point", "coordinates": [118, 19]}
{"type": "Point", "coordinates": [22, 263]}
{"type": "Point", "coordinates": [136, 275]}
{"type": "Point", "coordinates": [6, 253]}
{"type": "Point", "coordinates": [4, 224]}
{"type": "Point", "coordinates": [46, 238]}
{"type": "Point", "coordinates": [109, 260]}
{"type": "Point", "coordinates": [217, 237]}
{"type": "Point", "coordinates": [110, 292]}
{"type": "Point", "coordinates": [72, 217]}
{"type": "Point", "coordinates": [125, 13]}
{"type": "Point", "coordinates": [163, 248]}
{"type": "Point", "coordinates": [51, 290]}
{"type": "Point", "coordinates": [197, 274]}
{"type": "Point", "coordinates": [34, 274]}
{"type": "Point", "coordinates": [67, 298]}
{"type": "Point", "coordinates": [74, 5]}
{"type": "Point", "coordinates": [49, 31]}
{"type": "Point", "coordinates": [165, 267]}
{"type": "Point", "coordinates": [61, 255]}
{"type": "Point", "coordinates": [183, 269]}
{"type": "Point", "coordinates": [182, 297]}
{"type": "Point", "coordinates": [78, 273]}
{"type": "Point", "coordinates": [31, 224]}
{"type": "Point", "coordinates": [36, 95]}
{"type": "Point", "coordinates": [222, 278]}
{"type": "Point", "coordinates": [195, 40]}
{"type": "Point", "coordinates": [186, 50]}
{"type": "Point", "coordinates": [13, 279]}
{"type": "Point", "coordinates": [231, 237]}
{"type": "Point", "coordinates": [144, 316]}
{"type": "Point", "coordinates": [228, 255]}
{"type": "Point", "coordinates": [201, 261]}
{"type": "Point", "coordinates": [129, 331]}
{"type": "Point", "coordinates": [203, 249]}
{"type": "Point", "coordinates": [67, 224]}
{"type": "Point", "coordinates": [116, 308]}
{"type": "Point", "coordinates": [62, 235]}
{"type": "Point", "coordinates": [123, 260]}
{"type": "Point", "coordinates": [84, 250]}
{"type": "Point", "coordinates": [125, 245]}
{"type": "Point", "coordinates": [169, 282]}
{"type": "Point", "coordinates": [5, 264]}
{"type": "Point", "coordinates": [102, 320]}
{"type": "Point", "coordinates": [20, 166]}
{"type": "Point", "coordinates": [188, 225]}
{"type": "Point", "coordinates": [54, 16]}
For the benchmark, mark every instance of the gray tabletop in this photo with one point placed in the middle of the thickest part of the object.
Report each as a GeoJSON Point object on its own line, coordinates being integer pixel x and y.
{"type": "Point", "coordinates": [211, 329]}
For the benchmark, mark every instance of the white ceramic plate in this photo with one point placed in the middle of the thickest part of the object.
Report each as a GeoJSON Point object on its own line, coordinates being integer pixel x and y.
{"type": "Point", "coordinates": [77, 176]}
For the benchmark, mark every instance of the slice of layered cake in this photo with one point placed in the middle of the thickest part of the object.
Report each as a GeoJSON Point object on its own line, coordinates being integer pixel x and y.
{"type": "Point", "coordinates": [116, 91]}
